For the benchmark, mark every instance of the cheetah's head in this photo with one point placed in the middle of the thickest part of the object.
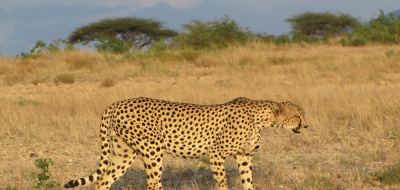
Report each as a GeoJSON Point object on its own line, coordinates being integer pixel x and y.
{"type": "Point", "coordinates": [290, 116]}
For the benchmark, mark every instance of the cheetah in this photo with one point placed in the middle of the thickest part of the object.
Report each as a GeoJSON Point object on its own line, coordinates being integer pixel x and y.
{"type": "Point", "coordinates": [151, 127]}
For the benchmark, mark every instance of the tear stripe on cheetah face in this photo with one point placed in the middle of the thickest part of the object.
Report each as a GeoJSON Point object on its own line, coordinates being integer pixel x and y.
{"type": "Point", "coordinates": [151, 127]}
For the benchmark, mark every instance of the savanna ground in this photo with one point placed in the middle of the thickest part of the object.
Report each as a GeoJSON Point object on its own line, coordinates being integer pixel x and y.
{"type": "Point", "coordinates": [51, 108]}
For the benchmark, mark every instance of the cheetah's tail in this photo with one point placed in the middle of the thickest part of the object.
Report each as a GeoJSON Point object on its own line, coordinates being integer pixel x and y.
{"type": "Point", "coordinates": [105, 151]}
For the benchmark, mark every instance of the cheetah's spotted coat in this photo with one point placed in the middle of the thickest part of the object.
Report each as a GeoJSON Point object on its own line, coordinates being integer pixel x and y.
{"type": "Point", "coordinates": [152, 127]}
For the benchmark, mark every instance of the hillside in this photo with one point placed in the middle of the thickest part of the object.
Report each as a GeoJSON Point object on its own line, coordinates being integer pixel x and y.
{"type": "Point", "coordinates": [51, 107]}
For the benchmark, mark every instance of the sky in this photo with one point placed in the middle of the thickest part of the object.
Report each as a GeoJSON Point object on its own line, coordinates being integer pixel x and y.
{"type": "Point", "coordinates": [23, 22]}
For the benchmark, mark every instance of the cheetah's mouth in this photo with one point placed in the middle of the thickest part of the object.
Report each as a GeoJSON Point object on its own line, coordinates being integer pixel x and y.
{"type": "Point", "coordinates": [296, 130]}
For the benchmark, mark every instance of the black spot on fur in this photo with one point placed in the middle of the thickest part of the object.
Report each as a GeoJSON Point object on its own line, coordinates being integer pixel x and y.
{"type": "Point", "coordinates": [71, 184]}
{"type": "Point", "coordinates": [83, 182]}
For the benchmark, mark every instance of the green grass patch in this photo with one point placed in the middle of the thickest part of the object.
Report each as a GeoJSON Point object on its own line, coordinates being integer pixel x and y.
{"type": "Point", "coordinates": [26, 102]}
{"type": "Point", "coordinates": [10, 188]}
{"type": "Point", "coordinates": [390, 175]}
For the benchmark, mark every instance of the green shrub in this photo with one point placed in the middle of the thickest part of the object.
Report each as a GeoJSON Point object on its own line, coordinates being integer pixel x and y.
{"type": "Point", "coordinates": [157, 48]}
{"type": "Point", "coordinates": [43, 178]}
{"type": "Point", "coordinates": [10, 188]}
{"type": "Point", "coordinates": [390, 175]}
{"type": "Point", "coordinates": [53, 47]}
{"type": "Point", "coordinates": [263, 37]}
{"type": "Point", "coordinates": [214, 34]}
{"type": "Point", "coordinates": [282, 39]}
{"type": "Point", "coordinates": [113, 45]}
{"type": "Point", "coordinates": [298, 37]}
{"type": "Point", "coordinates": [33, 53]}
{"type": "Point", "coordinates": [355, 40]}
{"type": "Point", "coordinates": [383, 29]}
{"type": "Point", "coordinates": [57, 45]}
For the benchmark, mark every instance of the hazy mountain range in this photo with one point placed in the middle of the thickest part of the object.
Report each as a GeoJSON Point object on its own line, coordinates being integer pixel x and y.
{"type": "Point", "coordinates": [396, 13]}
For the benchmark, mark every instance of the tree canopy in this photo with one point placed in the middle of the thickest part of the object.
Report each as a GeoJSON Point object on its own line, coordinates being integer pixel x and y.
{"type": "Point", "coordinates": [217, 33]}
{"type": "Point", "coordinates": [322, 25]}
{"type": "Point", "coordinates": [137, 32]}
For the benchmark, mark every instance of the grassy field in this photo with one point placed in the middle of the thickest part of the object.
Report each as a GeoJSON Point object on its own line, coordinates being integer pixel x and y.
{"type": "Point", "coordinates": [51, 108]}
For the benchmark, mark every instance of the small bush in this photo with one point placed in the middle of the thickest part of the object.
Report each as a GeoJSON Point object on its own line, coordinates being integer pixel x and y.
{"type": "Point", "coordinates": [10, 188]}
{"type": "Point", "coordinates": [298, 37]}
{"type": "Point", "coordinates": [43, 178]}
{"type": "Point", "coordinates": [113, 45]}
{"type": "Point", "coordinates": [263, 37]}
{"type": "Point", "coordinates": [159, 46]}
{"type": "Point", "coordinates": [282, 39]}
{"type": "Point", "coordinates": [108, 83]}
{"type": "Point", "coordinates": [355, 40]}
{"type": "Point", "coordinates": [39, 47]}
{"type": "Point", "coordinates": [390, 175]}
{"type": "Point", "coordinates": [157, 49]}
{"type": "Point", "coordinates": [190, 56]}
{"type": "Point", "coordinates": [214, 34]}
{"type": "Point", "coordinates": [390, 53]}
{"type": "Point", "coordinates": [25, 102]}
{"type": "Point", "coordinates": [64, 79]}
{"type": "Point", "coordinates": [53, 47]}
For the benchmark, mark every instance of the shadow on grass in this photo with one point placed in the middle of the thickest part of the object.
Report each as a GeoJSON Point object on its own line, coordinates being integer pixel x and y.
{"type": "Point", "coordinates": [200, 178]}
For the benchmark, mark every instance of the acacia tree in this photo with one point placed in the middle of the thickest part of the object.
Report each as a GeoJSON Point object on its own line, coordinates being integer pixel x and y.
{"type": "Point", "coordinates": [136, 32]}
{"type": "Point", "coordinates": [322, 25]}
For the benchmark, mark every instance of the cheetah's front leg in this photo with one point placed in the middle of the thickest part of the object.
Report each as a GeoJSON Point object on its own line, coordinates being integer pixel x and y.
{"type": "Point", "coordinates": [218, 169]}
{"type": "Point", "coordinates": [153, 166]}
{"type": "Point", "coordinates": [245, 170]}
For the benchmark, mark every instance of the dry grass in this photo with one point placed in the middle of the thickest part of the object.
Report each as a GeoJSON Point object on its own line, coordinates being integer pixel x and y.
{"type": "Point", "coordinates": [351, 96]}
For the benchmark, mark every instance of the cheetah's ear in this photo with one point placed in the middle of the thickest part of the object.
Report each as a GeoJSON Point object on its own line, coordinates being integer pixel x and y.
{"type": "Point", "coordinates": [277, 109]}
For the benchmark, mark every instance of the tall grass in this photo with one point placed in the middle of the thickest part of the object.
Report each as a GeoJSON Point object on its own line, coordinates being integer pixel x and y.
{"type": "Point", "coordinates": [350, 95]}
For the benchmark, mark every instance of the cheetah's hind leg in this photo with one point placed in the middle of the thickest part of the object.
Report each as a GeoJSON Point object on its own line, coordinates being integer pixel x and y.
{"type": "Point", "coordinates": [121, 159]}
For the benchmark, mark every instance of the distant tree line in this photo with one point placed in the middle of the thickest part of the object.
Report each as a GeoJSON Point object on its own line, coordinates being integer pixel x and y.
{"type": "Point", "coordinates": [121, 35]}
